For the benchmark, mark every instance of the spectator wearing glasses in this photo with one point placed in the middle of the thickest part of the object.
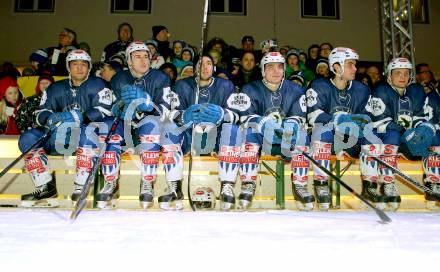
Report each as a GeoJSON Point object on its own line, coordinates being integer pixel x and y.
{"type": "Point", "coordinates": [425, 77]}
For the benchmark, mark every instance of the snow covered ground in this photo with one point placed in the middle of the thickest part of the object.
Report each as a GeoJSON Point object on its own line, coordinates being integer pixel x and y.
{"type": "Point", "coordinates": [130, 240]}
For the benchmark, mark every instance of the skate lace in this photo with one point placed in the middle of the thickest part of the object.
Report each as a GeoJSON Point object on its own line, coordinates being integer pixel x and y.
{"type": "Point", "coordinates": [302, 191]}
{"type": "Point", "coordinates": [108, 187]}
{"type": "Point", "coordinates": [435, 188]}
{"type": "Point", "coordinates": [227, 189]}
{"type": "Point", "coordinates": [172, 188]}
{"type": "Point", "coordinates": [248, 188]}
{"type": "Point", "coordinates": [390, 189]}
{"type": "Point", "coordinates": [37, 191]}
{"type": "Point", "coordinates": [146, 188]}
{"type": "Point", "coordinates": [372, 191]}
{"type": "Point", "coordinates": [322, 190]}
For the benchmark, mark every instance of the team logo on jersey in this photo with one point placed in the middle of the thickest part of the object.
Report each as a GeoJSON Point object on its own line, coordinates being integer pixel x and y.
{"type": "Point", "coordinates": [43, 98]}
{"type": "Point", "coordinates": [311, 97]}
{"type": "Point", "coordinates": [239, 101]}
{"type": "Point", "coordinates": [204, 95]}
{"type": "Point", "coordinates": [170, 97]}
{"type": "Point", "coordinates": [105, 96]}
{"type": "Point", "coordinates": [405, 113]}
{"type": "Point", "coordinates": [376, 106]}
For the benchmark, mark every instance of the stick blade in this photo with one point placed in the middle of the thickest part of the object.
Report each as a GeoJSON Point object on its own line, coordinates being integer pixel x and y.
{"type": "Point", "coordinates": [385, 219]}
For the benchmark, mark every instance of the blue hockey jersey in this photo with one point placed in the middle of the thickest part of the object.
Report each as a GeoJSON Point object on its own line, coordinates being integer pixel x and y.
{"type": "Point", "coordinates": [258, 101]}
{"type": "Point", "coordinates": [156, 83]}
{"type": "Point", "coordinates": [220, 92]}
{"type": "Point", "coordinates": [91, 97]}
{"type": "Point", "coordinates": [324, 99]}
{"type": "Point", "coordinates": [391, 110]}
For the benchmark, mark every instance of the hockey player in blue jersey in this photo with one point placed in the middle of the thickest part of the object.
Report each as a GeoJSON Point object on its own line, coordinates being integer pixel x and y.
{"type": "Point", "coordinates": [336, 110]}
{"type": "Point", "coordinates": [274, 123]}
{"type": "Point", "coordinates": [68, 109]}
{"type": "Point", "coordinates": [398, 108]}
{"type": "Point", "coordinates": [210, 104]}
{"type": "Point", "coordinates": [139, 89]}
{"type": "Point", "coordinates": [431, 159]}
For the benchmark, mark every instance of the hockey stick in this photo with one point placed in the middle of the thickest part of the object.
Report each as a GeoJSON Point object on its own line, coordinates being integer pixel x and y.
{"type": "Point", "coordinates": [417, 184]}
{"type": "Point", "coordinates": [82, 200]}
{"type": "Point", "coordinates": [43, 138]}
{"type": "Point", "coordinates": [202, 41]}
{"type": "Point", "coordinates": [383, 217]}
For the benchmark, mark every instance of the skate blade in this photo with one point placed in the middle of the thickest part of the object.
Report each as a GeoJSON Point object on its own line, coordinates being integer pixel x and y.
{"type": "Point", "coordinates": [226, 206]}
{"type": "Point", "coordinates": [43, 203]}
{"type": "Point", "coordinates": [106, 205]}
{"type": "Point", "coordinates": [393, 206]}
{"type": "Point", "coordinates": [176, 205]}
{"type": "Point", "coordinates": [304, 206]}
{"type": "Point", "coordinates": [244, 204]}
{"type": "Point", "coordinates": [145, 204]}
{"type": "Point", "coordinates": [323, 207]}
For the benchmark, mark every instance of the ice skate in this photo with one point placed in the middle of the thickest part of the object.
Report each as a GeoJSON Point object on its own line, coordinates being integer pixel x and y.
{"type": "Point", "coordinates": [322, 194]}
{"type": "Point", "coordinates": [108, 196]}
{"type": "Point", "coordinates": [392, 197]}
{"type": "Point", "coordinates": [146, 194]}
{"type": "Point", "coordinates": [77, 190]}
{"type": "Point", "coordinates": [44, 196]}
{"type": "Point", "coordinates": [227, 196]}
{"type": "Point", "coordinates": [172, 200]}
{"type": "Point", "coordinates": [246, 195]}
{"type": "Point", "coordinates": [369, 191]}
{"type": "Point", "coordinates": [303, 198]}
{"type": "Point", "coordinates": [433, 199]}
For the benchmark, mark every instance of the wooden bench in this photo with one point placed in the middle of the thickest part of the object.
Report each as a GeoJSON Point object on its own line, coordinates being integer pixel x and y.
{"type": "Point", "coordinates": [9, 151]}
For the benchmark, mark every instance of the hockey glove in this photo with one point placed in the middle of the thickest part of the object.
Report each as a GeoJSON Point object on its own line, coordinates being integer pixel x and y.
{"type": "Point", "coordinates": [351, 120]}
{"type": "Point", "coordinates": [192, 114]}
{"type": "Point", "coordinates": [65, 116]}
{"type": "Point", "coordinates": [419, 139]}
{"type": "Point", "coordinates": [132, 93]}
{"type": "Point", "coordinates": [211, 113]}
{"type": "Point", "coordinates": [395, 126]}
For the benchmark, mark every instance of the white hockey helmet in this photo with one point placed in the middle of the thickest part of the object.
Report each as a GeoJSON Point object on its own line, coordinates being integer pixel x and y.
{"type": "Point", "coordinates": [78, 54]}
{"type": "Point", "coordinates": [136, 46]}
{"type": "Point", "coordinates": [203, 198]}
{"type": "Point", "coordinates": [397, 63]}
{"type": "Point", "coordinates": [272, 57]}
{"type": "Point", "coordinates": [340, 55]}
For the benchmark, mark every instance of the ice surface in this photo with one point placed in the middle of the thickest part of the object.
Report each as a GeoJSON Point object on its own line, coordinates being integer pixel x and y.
{"type": "Point", "coordinates": [129, 240]}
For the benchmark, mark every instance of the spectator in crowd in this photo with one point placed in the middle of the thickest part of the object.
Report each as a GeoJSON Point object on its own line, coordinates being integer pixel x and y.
{"type": "Point", "coordinates": [38, 60]}
{"type": "Point", "coordinates": [294, 66]}
{"type": "Point", "coordinates": [425, 77]}
{"type": "Point", "coordinates": [170, 70]}
{"type": "Point", "coordinates": [156, 59]}
{"type": "Point", "coordinates": [270, 45]}
{"type": "Point", "coordinates": [178, 45]}
{"type": "Point", "coordinates": [325, 49]}
{"type": "Point", "coordinates": [10, 100]}
{"type": "Point", "coordinates": [248, 70]}
{"type": "Point", "coordinates": [186, 59]}
{"type": "Point", "coordinates": [125, 37]}
{"type": "Point", "coordinates": [26, 112]}
{"type": "Point", "coordinates": [57, 55]}
{"type": "Point", "coordinates": [86, 47]}
{"type": "Point", "coordinates": [313, 53]}
{"type": "Point", "coordinates": [109, 69]}
{"type": "Point", "coordinates": [297, 79]}
{"type": "Point", "coordinates": [364, 78]}
{"type": "Point", "coordinates": [322, 68]}
{"type": "Point", "coordinates": [219, 70]}
{"type": "Point", "coordinates": [222, 47]}
{"type": "Point", "coordinates": [187, 71]}
{"type": "Point", "coordinates": [161, 36]}
{"type": "Point", "coordinates": [303, 57]}
{"type": "Point", "coordinates": [8, 69]}
{"type": "Point", "coordinates": [374, 73]}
